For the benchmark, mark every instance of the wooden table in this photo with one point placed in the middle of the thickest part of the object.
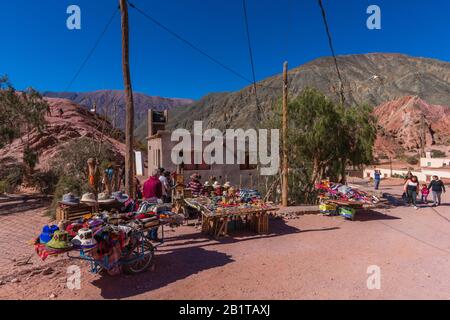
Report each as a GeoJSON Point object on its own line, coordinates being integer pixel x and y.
{"type": "Point", "coordinates": [215, 223]}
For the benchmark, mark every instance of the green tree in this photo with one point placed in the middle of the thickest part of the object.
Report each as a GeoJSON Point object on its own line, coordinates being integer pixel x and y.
{"type": "Point", "coordinates": [357, 137]}
{"type": "Point", "coordinates": [323, 139]}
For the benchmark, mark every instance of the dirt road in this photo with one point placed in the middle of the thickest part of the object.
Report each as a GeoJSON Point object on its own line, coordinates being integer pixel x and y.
{"type": "Point", "coordinates": [312, 257]}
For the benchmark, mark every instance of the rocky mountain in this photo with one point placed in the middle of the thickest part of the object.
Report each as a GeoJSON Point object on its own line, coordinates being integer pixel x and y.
{"type": "Point", "coordinates": [74, 122]}
{"type": "Point", "coordinates": [112, 102]}
{"type": "Point", "coordinates": [403, 122]}
{"type": "Point", "coordinates": [374, 79]}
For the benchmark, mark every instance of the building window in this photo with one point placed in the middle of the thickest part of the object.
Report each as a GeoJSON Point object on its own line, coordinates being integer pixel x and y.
{"type": "Point", "coordinates": [428, 164]}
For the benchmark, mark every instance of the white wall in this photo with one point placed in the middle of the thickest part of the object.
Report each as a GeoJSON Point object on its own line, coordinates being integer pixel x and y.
{"type": "Point", "coordinates": [434, 162]}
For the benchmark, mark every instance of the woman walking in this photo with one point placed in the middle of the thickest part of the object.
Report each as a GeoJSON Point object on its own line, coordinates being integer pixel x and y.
{"type": "Point", "coordinates": [437, 187]}
{"type": "Point", "coordinates": [411, 189]}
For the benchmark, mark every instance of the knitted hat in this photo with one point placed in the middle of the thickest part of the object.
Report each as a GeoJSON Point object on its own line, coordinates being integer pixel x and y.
{"type": "Point", "coordinates": [47, 233]}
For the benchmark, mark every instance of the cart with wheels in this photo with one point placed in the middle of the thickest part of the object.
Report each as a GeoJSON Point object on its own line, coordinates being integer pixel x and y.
{"type": "Point", "coordinates": [136, 257]}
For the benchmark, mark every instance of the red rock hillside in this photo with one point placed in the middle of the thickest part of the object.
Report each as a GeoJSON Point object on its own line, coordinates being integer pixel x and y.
{"type": "Point", "coordinates": [76, 122]}
{"type": "Point", "coordinates": [400, 122]}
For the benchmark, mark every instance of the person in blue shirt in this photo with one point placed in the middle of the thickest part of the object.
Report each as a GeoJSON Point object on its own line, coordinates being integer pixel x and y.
{"type": "Point", "coordinates": [377, 178]}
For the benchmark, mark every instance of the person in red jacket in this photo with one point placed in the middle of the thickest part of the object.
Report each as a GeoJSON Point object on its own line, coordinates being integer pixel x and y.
{"type": "Point", "coordinates": [153, 187]}
{"type": "Point", "coordinates": [152, 192]}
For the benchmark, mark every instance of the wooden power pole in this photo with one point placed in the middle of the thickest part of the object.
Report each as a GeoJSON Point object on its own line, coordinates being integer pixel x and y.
{"type": "Point", "coordinates": [284, 128]}
{"type": "Point", "coordinates": [129, 117]}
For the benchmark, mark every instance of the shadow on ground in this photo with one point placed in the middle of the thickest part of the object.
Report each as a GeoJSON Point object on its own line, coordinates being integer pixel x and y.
{"type": "Point", "coordinates": [371, 215]}
{"type": "Point", "coordinates": [183, 256]}
{"type": "Point", "coordinates": [169, 268]}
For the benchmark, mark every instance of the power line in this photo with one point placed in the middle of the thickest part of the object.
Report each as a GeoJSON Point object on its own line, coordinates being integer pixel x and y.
{"type": "Point", "coordinates": [190, 44]}
{"type": "Point", "coordinates": [250, 51]}
{"type": "Point", "coordinates": [330, 43]}
{"type": "Point", "coordinates": [194, 47]}
{"type": "Point", "coordinates": [91, 52]}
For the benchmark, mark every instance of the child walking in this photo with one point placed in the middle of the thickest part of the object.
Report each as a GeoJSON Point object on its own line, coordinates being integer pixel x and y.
{"type": "Point", "coordinates": [425, 192]}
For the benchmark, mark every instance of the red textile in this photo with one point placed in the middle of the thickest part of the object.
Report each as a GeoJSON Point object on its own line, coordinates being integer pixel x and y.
{"type": "Point", "coordinates": [153, 188]}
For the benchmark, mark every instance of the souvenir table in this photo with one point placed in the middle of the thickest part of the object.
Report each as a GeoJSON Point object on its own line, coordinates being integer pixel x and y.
{"type": "Point", "coordinates": [344, 200]}
{"type": "Point", "coordinates": [216, 218]}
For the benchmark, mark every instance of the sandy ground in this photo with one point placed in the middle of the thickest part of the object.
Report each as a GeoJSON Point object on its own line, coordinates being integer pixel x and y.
{"type": "Point", "coordinates": [312, 257]}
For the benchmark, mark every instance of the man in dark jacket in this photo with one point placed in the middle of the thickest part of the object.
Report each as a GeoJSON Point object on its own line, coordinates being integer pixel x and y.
{"type": "Point", "coordinates": [437, 187]}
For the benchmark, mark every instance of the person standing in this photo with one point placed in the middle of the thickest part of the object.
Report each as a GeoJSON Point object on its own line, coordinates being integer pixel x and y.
{"type": "Point", "coordinates": [165, 185]}
{"type": "Point", "coordinates": [152, 193]}
{"type": "Point", "coordinates": [377, 178]}
{"type": "Point", "coordinates": [195, 185]}
{"type": "Point", "coordinates": [437, 187]}
{"type": "Point", "coordinates": [425, 192]}
{"type": "Point", "coordinates": [411, 188]}
{"type": "Point", "coordinates": [153, 187]}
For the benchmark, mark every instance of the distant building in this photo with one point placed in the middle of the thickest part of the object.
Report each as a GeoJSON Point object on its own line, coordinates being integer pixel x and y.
{"type": "Point", "coordinates": [159, 156]}
{"type": "Point", "coordinates": [430, 162]}
{"type": "Point", "coordinates": [429, 167]}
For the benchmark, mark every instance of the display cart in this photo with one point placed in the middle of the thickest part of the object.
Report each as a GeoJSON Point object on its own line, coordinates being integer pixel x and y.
{"type": "Point", "coordinates": [135, 258]}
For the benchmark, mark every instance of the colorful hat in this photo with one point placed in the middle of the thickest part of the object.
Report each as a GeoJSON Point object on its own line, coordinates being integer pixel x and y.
{"type": "Point", "coordinates": [69, 199]}
{"type": "Point", "coordinates": [84, 240]}
{"type": "Point", "coordinates": [104, 198]}
{"type": "Point", "coordinates": [95, 223]}
{"type": "Point", "coordinates": [60, 241]}
{"type": "Point", "coordinates": [47, 233]}
{"type": "Point", "coordinates": [88, 197]}
{"type": "Point", "coordinates": [72, 229]}
{"type": "Point", "coordinates": [120, 196]}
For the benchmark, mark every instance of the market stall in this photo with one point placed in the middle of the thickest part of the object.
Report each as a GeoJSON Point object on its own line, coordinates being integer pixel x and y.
{"type": "Point", "coordinates": [339, 199]}
{"type": "Point", "coordinates": [242, 210]}
{"type": "Point", "coordinates": [109, 240]}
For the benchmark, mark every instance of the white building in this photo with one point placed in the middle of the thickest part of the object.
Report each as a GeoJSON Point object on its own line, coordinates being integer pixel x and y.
{"type": "Point", "coordinates": [429, 167]}
{"type": "Point", "coordinates": [429, 162]}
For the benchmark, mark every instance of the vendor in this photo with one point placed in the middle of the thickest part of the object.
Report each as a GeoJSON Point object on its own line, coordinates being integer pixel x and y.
{"type": "Point", "coordinates": [217, 189]}
{"type": "Point", "coordinates": [208, 189]}
{"type": "Point", "coordinates": [195, 185]}
{"type": "Point", "coordinates": [153, 187]}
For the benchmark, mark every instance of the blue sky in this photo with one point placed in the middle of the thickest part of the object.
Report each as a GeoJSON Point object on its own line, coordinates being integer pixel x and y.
{"type": "Point", "coordinates": [39, 51]}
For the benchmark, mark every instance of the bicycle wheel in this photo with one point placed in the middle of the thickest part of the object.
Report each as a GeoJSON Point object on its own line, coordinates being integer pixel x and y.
{"type": "Point", "coordinates": [140, 258]}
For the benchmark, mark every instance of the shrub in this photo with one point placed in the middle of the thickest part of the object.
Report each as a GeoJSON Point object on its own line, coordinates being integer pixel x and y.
{"type": "Point", "coordinates": [412, 160]}
{"type": "Point", "coordinates": [438, 154]}
{"type": "Point", "coordinates": [3, 186]}
{"type": "Point", "coordinates": [11, 177]}
{"type": "Point", "coordinates": [45, 182]}
{"type": "Point", "coordinates": [65, 185]}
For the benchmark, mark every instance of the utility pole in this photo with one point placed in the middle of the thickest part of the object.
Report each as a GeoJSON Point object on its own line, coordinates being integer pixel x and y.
{"type": "Point", "coordinates": [284, 128]}
{"type": "Point", "coordinates": [129, 118]}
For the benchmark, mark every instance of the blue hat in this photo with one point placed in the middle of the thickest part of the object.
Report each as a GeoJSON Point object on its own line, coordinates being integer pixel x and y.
{"type": "Point", "coordinates": [47, 233]}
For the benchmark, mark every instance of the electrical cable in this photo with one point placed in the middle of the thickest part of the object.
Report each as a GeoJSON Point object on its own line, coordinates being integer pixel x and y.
{"type": "Point", "coordinates": [91, 52]}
